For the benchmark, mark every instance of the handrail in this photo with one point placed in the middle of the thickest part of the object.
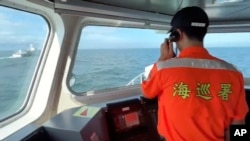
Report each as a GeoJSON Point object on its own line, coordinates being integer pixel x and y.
{"type": "Point", "coordinates": [139, 77]}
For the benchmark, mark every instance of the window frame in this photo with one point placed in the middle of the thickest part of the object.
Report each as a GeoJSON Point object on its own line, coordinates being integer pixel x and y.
{"type": "Point", "coordinates": [80, 95]}
{"type": "Point", "coordinates": [30, 93]}
{"type": "Point", "coordinates": [74, 54]}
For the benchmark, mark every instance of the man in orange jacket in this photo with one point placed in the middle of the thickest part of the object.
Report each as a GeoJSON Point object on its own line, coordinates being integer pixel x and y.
{"type": "Point", "coordinates": [199, 95]}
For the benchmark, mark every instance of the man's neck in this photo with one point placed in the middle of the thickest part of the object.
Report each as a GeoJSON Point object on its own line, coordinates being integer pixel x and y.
{"type": "Point", "coordinates": [192, 44]}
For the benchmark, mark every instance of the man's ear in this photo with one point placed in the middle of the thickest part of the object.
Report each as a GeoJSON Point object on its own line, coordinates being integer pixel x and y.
{"type": "Point", "coordinates": [180, 34]}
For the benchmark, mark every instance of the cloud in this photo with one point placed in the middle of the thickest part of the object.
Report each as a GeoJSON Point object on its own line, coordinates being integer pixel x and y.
{"type": "Point", "coordinates": [227, 40]}
{"type": "Point", "coordinates": [103, 38]}
{"type": "Point", "coordinates": [99, 30]}
{"type": "Point", "coordinates": [20, 29]}
{"type": "Point", "coordinates": [96, 40]}
{"type": "Point", "coordinates": [117, 37]}
{"type": "Point", "coordinates": [2, 18]}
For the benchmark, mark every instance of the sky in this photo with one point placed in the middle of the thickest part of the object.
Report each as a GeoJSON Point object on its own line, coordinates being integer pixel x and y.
{"type": "Point", "coordinates": [96, 37]}
{"type": "Point", "coordinates": [19, 29]}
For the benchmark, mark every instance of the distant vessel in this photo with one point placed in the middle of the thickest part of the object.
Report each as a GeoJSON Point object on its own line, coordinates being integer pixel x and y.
{"type": "Point", "coordinates": [26, 53]}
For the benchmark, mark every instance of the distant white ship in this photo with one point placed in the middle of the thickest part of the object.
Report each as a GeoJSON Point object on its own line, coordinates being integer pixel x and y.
{"type": "Point", "coordinates": [21, 53]}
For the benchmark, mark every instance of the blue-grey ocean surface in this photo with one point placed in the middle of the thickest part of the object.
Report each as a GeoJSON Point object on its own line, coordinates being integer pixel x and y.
{"type": "Point", "coordinates": [93, 69]}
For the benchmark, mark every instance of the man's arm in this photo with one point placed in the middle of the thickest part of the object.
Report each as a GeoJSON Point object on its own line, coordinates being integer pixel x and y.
{"type": "Point", "coordinates": [241, 109]}
{"type": "Point", "coordinates": [151, 86]}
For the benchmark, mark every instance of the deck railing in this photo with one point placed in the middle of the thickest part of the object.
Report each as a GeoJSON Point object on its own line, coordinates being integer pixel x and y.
{"type": "Point", "coordinates": [139, 78]}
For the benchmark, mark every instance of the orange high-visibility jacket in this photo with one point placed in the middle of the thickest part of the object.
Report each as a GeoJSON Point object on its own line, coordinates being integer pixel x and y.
{"type": "Point", "coordinates": [198, 96]}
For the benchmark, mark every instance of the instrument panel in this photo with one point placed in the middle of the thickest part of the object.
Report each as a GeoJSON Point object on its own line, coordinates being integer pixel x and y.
{"type": "Point", "coordinates": [127, 120]}
{"type": "Point", "coordinates": [131, 120]}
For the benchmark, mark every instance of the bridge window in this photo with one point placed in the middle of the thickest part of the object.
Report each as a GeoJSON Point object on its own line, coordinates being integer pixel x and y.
{"type": "Point", "coordinates": [231, 47]}
{"type": "Point", "coordinates": [109, 57]}
{"type": "Point", "coordinates": [22, 37]}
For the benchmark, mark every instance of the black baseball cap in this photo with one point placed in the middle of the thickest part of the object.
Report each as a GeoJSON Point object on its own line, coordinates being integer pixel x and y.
{"type": "Point", "coordinates": [193, 17]}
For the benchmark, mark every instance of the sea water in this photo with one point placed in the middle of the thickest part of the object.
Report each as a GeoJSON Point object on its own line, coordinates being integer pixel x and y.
{"type": "Point", "coordinates": [93, 69]}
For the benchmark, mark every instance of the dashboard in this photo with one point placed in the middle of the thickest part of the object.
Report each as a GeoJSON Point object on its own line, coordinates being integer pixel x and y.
{"type": "Point", "coordinates": [127, 120]}
{"type": "Point", "coordinates": [131, 120]}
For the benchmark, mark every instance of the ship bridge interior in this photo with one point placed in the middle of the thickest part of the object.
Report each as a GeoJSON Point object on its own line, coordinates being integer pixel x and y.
{"type": "Point", "coordinates": [121, 114]}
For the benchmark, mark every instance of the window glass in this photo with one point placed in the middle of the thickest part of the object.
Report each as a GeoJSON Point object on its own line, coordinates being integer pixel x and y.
{"type": "Point", "coordinates": [231, 47]}
{"type": "Point", "coordinates": [22, 38]}
{"type": "Point", "coordinates": [109, 57]}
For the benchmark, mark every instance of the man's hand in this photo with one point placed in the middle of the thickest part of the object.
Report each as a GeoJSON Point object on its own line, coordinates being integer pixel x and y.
{"type": "Point", "coordinates": [166, 50]}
